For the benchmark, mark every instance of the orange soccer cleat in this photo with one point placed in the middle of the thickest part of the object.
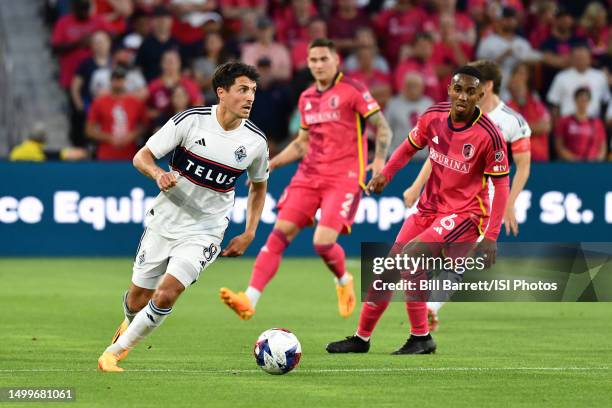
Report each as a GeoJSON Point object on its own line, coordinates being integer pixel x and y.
{"type": "Point", "coordinates": [120, 330]}
{"type": "Point", "coordinates": [108, 363]}
{"type": "Point", "coordinates": [346, 297]}
{"type": "Point", "coordinates": [238, 302]}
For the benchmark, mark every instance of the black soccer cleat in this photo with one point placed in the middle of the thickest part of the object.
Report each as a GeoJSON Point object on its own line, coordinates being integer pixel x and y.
{"type": "Point", "coordinates": [352, 344]}
{"type": "Point", "coordinates": [417, 345]}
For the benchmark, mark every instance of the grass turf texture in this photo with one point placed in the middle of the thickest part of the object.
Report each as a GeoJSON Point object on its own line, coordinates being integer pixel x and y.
{"type": "Point", "coordinates": [58, 315]}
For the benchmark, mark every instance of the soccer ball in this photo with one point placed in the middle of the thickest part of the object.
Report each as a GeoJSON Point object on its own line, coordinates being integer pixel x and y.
{"type": "Point", "coordinates": [277, 351]}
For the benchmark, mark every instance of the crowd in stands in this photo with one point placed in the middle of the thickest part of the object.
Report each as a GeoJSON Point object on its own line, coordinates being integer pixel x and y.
{"type": "Point", "coordinates": [129, 65]}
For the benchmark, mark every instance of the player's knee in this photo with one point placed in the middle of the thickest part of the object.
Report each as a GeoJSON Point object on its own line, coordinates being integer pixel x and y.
{"type": "Point", "coordinates": [324, 236]}
{"type": "Point", "coordinates": [288, 229]}
{"type": "Point", "coordinates": [165, 298]}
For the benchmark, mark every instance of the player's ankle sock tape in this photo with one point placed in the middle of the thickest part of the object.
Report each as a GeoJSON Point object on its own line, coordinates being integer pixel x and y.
{"type": "Point", "coordinates": [129, 315]}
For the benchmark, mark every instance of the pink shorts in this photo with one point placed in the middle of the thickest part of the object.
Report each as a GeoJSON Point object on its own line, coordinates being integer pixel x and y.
{"type": "Point", "coordinates": [338, 202]}
{"type": "Point", "coordinates": [463, 227]}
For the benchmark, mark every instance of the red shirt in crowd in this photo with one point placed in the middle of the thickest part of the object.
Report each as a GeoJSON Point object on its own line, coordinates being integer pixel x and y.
{"type": "Point", "coordinates": [117, 115]}
{"type": "Point", "coordinates": [584, 138]}
{"type": "Point", "coordinates": [104, 9]}
{"type": "Point", "coordinates": [160, 94]}
{"type": "Point", "coordinates": [68, 30]}
{"type": "Point", "coordinates": [396, 28]}
{"type": "Point", "coordinates": [534, 111]}
{"type": "Point", "coordinates": [427, 70]}
{"type": "Point", "coordinates": [288, 28]}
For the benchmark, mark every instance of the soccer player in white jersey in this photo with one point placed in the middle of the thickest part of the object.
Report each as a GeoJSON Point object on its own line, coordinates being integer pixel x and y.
{"type": "Point", "coordinates": [516, 132]}
{"type": "Point", "coordinates": [211, 147]}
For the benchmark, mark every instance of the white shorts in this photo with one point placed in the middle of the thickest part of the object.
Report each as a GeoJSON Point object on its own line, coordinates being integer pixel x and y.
{"type": "Point", "coordinates": [183, 258]}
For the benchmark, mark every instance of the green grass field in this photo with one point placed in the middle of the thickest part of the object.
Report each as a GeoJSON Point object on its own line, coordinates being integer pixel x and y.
{"type": "Point", "coordinates": [58, 315]}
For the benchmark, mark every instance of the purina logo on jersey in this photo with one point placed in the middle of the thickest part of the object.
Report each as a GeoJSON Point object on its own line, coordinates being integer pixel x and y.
{"type": "Point", "coordinates": [468, 151]}
{"type": "Point", "coordinates": [448, 162]}
{"type": "Point", "coordinates": [334, 101]}
{"type": "Point", "coordinates": [204, 172]}
{"type": "Point", "coordinates": [240, 154]}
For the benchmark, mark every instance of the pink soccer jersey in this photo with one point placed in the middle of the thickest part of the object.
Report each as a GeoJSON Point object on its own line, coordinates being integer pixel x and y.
{"type": "Point", "coordinates": [335, 120]}
{"type": "Point", "coordinates": [461, 159]}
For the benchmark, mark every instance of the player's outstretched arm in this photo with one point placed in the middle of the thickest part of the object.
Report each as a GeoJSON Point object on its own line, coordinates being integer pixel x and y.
{"type": "Point", "coordinates": [255, 203]}
{"type": "Point", "coordinates": [383, 139]}
{"type": "Point", "coordinates": [523, 164]}
{"type": "Point", "coordinates": [400, 157]}
{"type": "Point", "coordinates": [294, 151]}
{"type": "Point", "coordinates": [145, 163]}
{"type": "Point", "coordinates": [412, 193]}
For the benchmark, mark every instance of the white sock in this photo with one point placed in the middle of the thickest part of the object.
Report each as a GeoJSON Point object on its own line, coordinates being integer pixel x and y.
{"type": "Point", "coordinates": [129, 315]}
{"type": "Point", "coordinates": [344, 279]}
{"type": "Point", "coordinates": [364, 338]}
{"type": "Point", "coordinates": [253, 295]}
{"type": "Point", "coordinates": [435, 306]}
{"type": "Point", "coordinates": [143, 324]}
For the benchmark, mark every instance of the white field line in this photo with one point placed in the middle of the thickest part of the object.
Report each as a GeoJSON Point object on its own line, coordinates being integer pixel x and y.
{"type": "Point", "coordinates": [314, 371]}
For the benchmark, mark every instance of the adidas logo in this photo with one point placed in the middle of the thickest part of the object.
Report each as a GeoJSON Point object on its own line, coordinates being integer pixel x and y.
{"type": "Point", "coordinates": [201, 142]}
{"type": "Point", "coordinates": [435, 139]}
{"type": "Point", "coordinates": [438, 230]}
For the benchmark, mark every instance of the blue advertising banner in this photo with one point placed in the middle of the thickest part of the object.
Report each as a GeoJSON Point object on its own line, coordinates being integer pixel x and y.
{"type": "Point", "coordinates": [97, 209]}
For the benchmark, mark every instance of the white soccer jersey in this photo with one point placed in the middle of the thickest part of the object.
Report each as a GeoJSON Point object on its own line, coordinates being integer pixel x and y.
{"type": "Point", "coordinates": [207, 161]}
{"type": "Point", "coordinates": [512, 124]}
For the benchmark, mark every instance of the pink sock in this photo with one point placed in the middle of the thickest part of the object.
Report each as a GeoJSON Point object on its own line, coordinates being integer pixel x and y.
{"type": "Point", "coordinates": [333, 256]}
{"type": "Point", "coordinates": [417, 313]}
{"type": "Point", "coordinates": [370, 314]}
{"type": "Point", "coordinates": [268, 260]}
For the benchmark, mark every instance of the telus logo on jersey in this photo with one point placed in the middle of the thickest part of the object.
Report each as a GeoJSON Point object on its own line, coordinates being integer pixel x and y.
{"type": "Point", "coordinates": [204, 172]}
{"type": "Point", "coordinates": [448, 162]}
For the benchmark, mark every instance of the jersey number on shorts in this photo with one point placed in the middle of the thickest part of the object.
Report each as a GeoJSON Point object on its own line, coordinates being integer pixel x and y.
{"type": "Point", "coordinates": [346, 205]}
{"type": "Point", "coordinates": [448, 223]}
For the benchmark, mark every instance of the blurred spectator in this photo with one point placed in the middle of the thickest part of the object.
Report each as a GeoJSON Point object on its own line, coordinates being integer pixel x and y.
{"type": "Point", "coordinates": [317, 28]}
{"type": "Point", "coordinates": [343, 24]}
{"type": "Point", "coordinates": [292, 21]}
{"type": "Point", "coordinates": [273, 108]}
{"type": "Point", "coordinates": [248, 28]}
{"type": "Point", "coordinates": [115, 12]}
{"type": "Point", "coordinates": [179, 102]}
{"type": "Point", "coordinates": [540, 21]}
{"type": "Point", "coordinates": [465, 33]}
{"type": "Point", "coordinates": [366, 72]}
{"type": "Point", "coordinates": [140, 29]}
{"type": "Point", "coordinates": [266, 47]}
{"type": "Point", "coordinates": [190, 19]}
{"type": "Point", "coordinates": [135, 83]}
{"type": "Point", "coordinates": [205, 65]}
{"type": "Point", "coordinates": [506, 47]}
{"type": "Point", "coordinates": [421, 62]}
{"type": "Point", "coordinates": [147, 6]}
{"type": "Point", "coordinates": [449, 53]}
{"type": "Point", "coordinates": [580, 74]}
{"type": "Point", "coordinates": [403, 110]}
{"type": "Point", "coordinates": [399, 25]}
{"type": "Point", "coordinates": [116, 120]}
{"type": "Point", "coordinates": [364, 37]}
{"type": "Point", "coordinates": [155, 44]}
{"type": "Point", "coordinates": [234, 10]}
{"type": "Point", "coordinates": [580, 137]}
{"type": "Point", "coordinates": [33, 148]}
{"type": "Point", "coordinates": [160, 89]}
{"type": "Point", "coordinates": [71, 37]}
{"type": "Point", "coordinates": [594, 27]}
{"type": "Point", "coordinates": [526, 102]}
{"type": "Point", "coordinates": [81, 90]}
{"type": "Point", "coordinates": [557, 47]}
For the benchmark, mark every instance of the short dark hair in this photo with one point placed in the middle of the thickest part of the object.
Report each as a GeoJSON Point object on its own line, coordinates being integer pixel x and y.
{"type": "Point", "coordinates": [490, 71]}
{"type": "Point", "coordinates": [323, 42]}
{"type": "Point", "coordinates": [583, 90]}
{"type": "Point", "coordinates": [225, 75]}
{"type": "Point", "coordinates": [470, 71]}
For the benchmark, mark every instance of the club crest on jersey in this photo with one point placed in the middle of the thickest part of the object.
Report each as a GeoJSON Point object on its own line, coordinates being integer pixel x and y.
{"type": "Point", "coordinates": [499, 156]}
{"type": "Point", "coordinates": [334, 101]}
{"type": "Point", "coordinates": [240, 154]}
{"type": "Point", "coordinates": [468, 151]}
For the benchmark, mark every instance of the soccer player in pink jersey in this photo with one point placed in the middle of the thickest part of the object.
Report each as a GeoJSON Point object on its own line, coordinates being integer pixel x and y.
{"type": "Point", "coordinates": [465, 148]}
{"type": "Point", "coordinates": [330, 177]}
